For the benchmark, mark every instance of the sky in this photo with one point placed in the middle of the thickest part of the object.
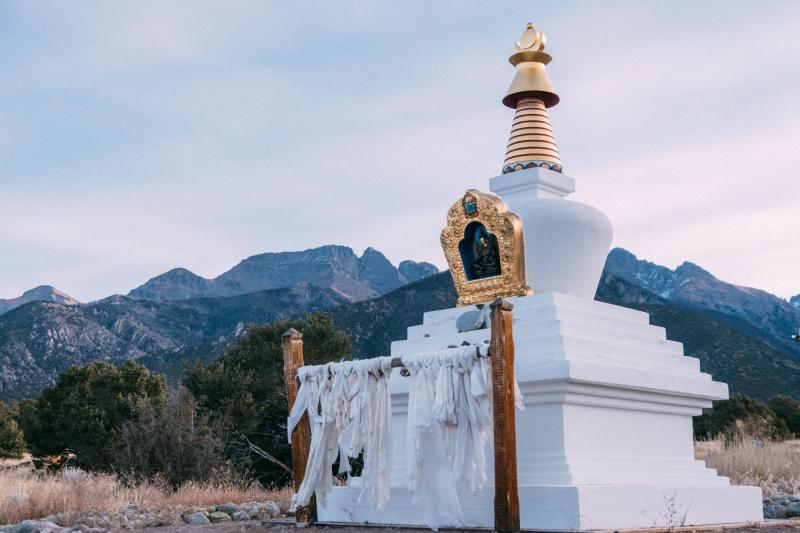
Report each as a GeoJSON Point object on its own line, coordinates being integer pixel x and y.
{"type": "Point", "coordinates": [140, 136]}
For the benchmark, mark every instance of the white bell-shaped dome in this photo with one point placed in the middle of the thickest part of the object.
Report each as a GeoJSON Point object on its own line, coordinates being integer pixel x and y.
{"type": "Point", "coordinates": [566, 242]}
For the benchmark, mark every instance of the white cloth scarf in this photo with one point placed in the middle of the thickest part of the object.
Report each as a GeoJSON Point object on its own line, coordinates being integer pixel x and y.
{"type": "Point", "coordinates": [449, 424]}
{"type": "Point", "coordinates": [349, 410]}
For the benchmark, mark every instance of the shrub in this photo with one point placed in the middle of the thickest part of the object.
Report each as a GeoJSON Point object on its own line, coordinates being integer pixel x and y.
{"type": "Point", "coordinates": [787, 409]}
{"type": "Point", "coordinates": [12, 443]}
{"type": "Point", "coordinates": [245, 389]}
{"type": "Point", "coordinates": [86, 409]}
{"type": "Point", "coordinates": [740, 416]}
{"type": "Point", "coordinates": [25, 415]}
{"type": "Point", "coordinates": [175, 443]}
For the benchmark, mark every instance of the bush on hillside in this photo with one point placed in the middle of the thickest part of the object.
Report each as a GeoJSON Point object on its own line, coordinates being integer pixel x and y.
{"type": "Point", "coordinates": [245, 389]}
{"type": "Point", "coordinates": [85, 411]}
{"type": "Point", "coordinates": [12, 443]}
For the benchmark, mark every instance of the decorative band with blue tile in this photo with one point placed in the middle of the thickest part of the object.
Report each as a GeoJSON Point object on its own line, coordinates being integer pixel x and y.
{"type": "Point", "coordinates": [521, 165]}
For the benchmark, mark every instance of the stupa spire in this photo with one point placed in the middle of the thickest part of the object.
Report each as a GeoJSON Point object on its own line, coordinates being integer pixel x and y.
{"type": "Point", "coordinates": [531, 142]}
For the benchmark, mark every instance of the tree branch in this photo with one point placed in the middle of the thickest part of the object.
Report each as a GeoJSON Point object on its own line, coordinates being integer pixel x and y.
{"type": "Point", "coordinates": [258, 451]}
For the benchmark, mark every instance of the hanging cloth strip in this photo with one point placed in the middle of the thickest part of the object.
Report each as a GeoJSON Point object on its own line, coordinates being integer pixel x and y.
{"type": "Point", "coordinates": [449, 424]}
{"type": "Point", "coordinates": [349, 399]}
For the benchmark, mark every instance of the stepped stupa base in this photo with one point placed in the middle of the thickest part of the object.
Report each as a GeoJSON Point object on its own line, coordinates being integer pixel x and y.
{"type": "Point", "coordinates": [571, 508]}
{"type": "Point", "coordinates": [605, 440]}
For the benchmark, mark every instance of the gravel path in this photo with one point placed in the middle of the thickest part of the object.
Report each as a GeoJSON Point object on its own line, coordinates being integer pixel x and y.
{"type": "Point", "coordinates": [289, 526]}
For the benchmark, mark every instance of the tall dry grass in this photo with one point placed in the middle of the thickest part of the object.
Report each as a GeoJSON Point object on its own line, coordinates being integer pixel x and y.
{"type": "Point", "coordinates": [26, 494]}
{"type": "Point", "coordinates": [774, 466]}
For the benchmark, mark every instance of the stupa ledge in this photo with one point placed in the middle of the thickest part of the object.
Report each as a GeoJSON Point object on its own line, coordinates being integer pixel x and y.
{"type": "Point", "coordinates": [534, 183]}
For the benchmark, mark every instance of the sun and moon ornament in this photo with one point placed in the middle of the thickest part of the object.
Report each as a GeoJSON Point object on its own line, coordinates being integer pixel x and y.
{"type": "Point", "coordinates": [484, 246]}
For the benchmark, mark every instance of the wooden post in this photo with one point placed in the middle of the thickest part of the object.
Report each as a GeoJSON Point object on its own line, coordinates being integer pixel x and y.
{"type": "Point", "coordinates": [506, 497]}
{"type": "Point", "coordinates": [301, 436]}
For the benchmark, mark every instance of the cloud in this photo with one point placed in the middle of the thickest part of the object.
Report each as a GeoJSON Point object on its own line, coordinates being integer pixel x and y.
{"type": "Point", "coordinates": [138, 137]}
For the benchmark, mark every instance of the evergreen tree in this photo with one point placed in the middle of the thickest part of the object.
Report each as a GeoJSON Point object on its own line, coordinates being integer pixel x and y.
{"type": "Point", "coordinates": [787, 409]}
{"type": "Point", "coordinates": [84, 412]}
{"type": "Point", "coordinates": [245, 389]}
{"type": "Point", "coordinates": [740, 415]}
{"type": "Point", "coordinates": [12, 443]}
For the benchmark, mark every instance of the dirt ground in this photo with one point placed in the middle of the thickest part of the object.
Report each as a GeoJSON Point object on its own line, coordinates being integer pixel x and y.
{"type": "Point", "coordinates": [289, 526]}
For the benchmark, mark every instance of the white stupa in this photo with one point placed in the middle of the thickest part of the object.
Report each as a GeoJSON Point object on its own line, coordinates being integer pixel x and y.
{"type": "Point", "coordinates": [605, 441]}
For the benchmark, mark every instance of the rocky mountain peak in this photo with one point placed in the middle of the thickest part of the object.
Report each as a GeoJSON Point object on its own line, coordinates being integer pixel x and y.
{"type": "Point", "coordinates": [655, 278]}
{"type": "Point", "coordinates": [688, 269]}
{"type": "Point", "coordinates": [332, 266]}
{"type": "Point", "coordinates": [622, 259]}
{"type": "Point", "coordinates": [378, 272]}
{"type": "Point", "coordinates": [771, 317]}
{"type": "Point", "coordinates": [411, 271]}
{"type": "Point", "coordinates": [175, 284]}
{"type": "Point", "coordinates": [42, 293]}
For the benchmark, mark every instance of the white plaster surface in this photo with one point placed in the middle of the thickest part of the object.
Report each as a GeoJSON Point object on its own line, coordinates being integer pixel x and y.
{"type": "Point", "coordinates": [605, 441]}
{"type": "Point", "coordinates": [566, 242]}
{"type": "Point", "coordinates": [606, 437]}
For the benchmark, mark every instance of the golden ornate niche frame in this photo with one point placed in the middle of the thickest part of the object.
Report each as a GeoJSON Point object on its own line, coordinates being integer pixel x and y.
{"type": "Point", "coordinates": [506, 226]}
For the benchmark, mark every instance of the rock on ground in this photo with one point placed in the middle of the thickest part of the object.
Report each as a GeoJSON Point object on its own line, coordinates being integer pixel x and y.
{"type": "Point", "coordinates": [196, 519]}
{"type": "Point", "coordinates": [782, 507]}
{"type": "Point", "coordinates": [218, 516]}
{"type": "Point", "coordinates": [133, 517]}
{"type": "Point", "coordinates": [228, 508]}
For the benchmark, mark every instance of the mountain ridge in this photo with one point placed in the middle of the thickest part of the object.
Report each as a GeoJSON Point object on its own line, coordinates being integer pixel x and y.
{"type": "Point", "coordinates": [38, 339]}
{"type": "Point", "coordinates": [331, 266]}
{"type": "Point", "coordinates": [747, 364]}
{"type": "Point", "coordinates": [690, 285]}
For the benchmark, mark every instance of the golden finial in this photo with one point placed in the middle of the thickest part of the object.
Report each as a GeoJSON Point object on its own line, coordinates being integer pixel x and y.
{"type": "Point", "coordinates": [531, 80]}
{"type": "Point", "coordinates": [531, 143]}
{"type": "Point", "coordinates": [531, 40]}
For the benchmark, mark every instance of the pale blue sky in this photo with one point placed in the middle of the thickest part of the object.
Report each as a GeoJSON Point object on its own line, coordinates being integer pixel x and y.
{"type": "Point", "coordinates": [140, 136]}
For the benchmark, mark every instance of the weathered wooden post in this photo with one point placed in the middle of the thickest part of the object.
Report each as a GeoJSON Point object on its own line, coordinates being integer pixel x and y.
{"type": "Point", "coordinates": [301, 436]}
{"type": "Point", "coordinates": [506, 497]}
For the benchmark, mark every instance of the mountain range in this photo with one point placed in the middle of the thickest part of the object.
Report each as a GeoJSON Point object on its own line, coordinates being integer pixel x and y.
{"type": "Point", "coordinates": [747, 364]}
{"type": "Point", "coordinates": [740, 335]}
{"type": "Point", "coordinates": [772, 319]}
{"type": "Point", "coordinates": [41, 339]}
{"type": "Point", "coordinates": [334, 267]}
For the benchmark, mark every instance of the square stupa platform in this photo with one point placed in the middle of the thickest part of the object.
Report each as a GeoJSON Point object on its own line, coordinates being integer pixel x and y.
{"type": "Point", "coordinates": [605, 441]}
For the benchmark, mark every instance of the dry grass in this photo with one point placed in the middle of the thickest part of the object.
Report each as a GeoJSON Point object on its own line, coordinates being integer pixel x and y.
{"type": "Point", "coordinates": [25, 494]}
{"type": "Point", "coordinates": [774, 466]}
{"type": "Point", "coordinates": [24, 461]}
